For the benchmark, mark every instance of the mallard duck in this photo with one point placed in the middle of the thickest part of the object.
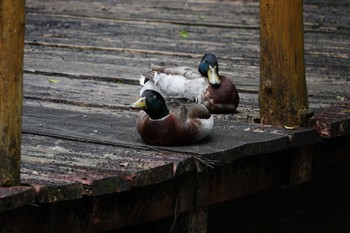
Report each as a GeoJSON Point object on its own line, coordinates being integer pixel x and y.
{"type": "Point", "coordinates": [216, 92]}
{"type": "Point", "coordinates": [171, 123]}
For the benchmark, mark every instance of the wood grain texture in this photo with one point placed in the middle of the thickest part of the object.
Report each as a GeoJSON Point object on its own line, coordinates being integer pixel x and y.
{"type": "Point", "coordinates": [244, 14]}
{"type": "Point", "coordinates": [283, 96]}
{"type": "Point", "coordinates": [11, 67]}
{"type": "Point", "coordinates": [15, 196]}
{"type": "Point", "coordinates": [333, 122]}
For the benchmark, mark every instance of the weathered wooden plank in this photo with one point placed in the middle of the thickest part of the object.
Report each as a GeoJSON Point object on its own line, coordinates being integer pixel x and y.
{"type": "Point", "coordinates": [247, 176]}
{"type": "Point", "coordinates": [160, 37]}
{"type": "Point", "coordinates": [49, 189]}
{"type": "Point", "coordinates": [127, 67]}
{"type": "Point", "coordinates": [327, 45]}
{"type": "Point", "coordinates": [71, 90]}
{"type": "Point", "coordinates": [87, 165]}
{"type": "Point", "coordinates": [91, 93]}
{"type": "Point", "coordinates": [77, 180]}
{"type": "Point", "coordinates": [144, 37]}
{"type": "Point", "coordinates": [136, 36]}
{"type": "Point", "coordinates": [99, 94]}
{"type": "Point", "coordinates": [95, 93]}
{"type": "Point", "coordinates": [297, 137]}
{"type": "Point", "coordinates": [115, 95]}
{"type": "Point", "coordinates": [95, 165]}
{"type": "Point", "coordinates": [104, 213]}
{"type": "Point", "coordinates": [237, 13]}
{"type": "Point", "coordinates": [190, 12]}
{"type": "Point", "coordinates": [15, 196]}
{"type": "Point", "coordinates": [326, 16]}
{"type": "Point", "coordinates": [123, 66]}
{"type": "Point", "coordinates": [332, 122]}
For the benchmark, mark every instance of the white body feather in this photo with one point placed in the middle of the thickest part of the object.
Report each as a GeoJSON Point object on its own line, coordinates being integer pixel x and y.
{"type": "Point", "coordinates": [206, 128]}
{"type": "Point", "coordinates": [176, 86]}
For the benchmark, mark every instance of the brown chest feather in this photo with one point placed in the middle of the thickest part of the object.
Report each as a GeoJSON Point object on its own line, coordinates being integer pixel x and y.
{"type": "Point", "coordinates": [167, 131]}
{"type": "Point", "coordinates": [221, 99]}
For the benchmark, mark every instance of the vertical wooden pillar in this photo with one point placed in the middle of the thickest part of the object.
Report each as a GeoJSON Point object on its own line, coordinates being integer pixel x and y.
{"type": "Point", "coordinates": [283, 92]}
{"type": "Point", "coordinates": [11, 68]}
{"type": "Point", "coordinates": [198, 216]}
{"type": "Point", "coordinates": [301, 165]}
{"type": "Point", "coordinates": [195, 220]}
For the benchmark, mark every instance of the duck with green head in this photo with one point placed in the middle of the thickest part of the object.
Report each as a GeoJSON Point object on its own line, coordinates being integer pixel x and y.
{"type": "Point", "coordinates": [171, 123]}
{"type": "Point", "coordinates": [217, 92]}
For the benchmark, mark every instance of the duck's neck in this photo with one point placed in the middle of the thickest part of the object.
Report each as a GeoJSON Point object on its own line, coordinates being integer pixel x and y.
{"type": "Point", "coordinates": [157, 114]}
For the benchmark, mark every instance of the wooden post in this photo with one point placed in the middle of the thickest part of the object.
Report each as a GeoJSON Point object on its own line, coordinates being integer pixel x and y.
{"type": "Point", "coordinates": [11, 68]}
{"type": "Point", "coordinates": [301, 165]}
{"type": "Point", "coordinates": [283, 92]}
{"type": "Point", "coordinates": [198, 216]}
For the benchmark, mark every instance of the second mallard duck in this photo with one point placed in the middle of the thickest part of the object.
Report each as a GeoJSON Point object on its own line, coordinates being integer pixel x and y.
{"type": "Point", "coordinates": [216, 92]}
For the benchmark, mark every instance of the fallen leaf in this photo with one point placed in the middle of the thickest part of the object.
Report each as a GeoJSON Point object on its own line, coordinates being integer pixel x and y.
{"type": "Point", "coordinates": [257, 130]}
{"type": "Point", "coordinates": [52, 80]}
{"type": "Point", "coordinates": [184, 34]}
{"type": "Point", "coordinates": [290, 127]}
{"type": "Point", "coordinates": [124, 164]}
{"type": "Point", "coordinates": [104, 8]}
{"type": "Point", "coordinates": [341, 98]}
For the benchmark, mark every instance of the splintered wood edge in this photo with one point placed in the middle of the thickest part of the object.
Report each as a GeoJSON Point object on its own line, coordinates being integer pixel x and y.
{"type": "Point", "coordinates": [332, 122]}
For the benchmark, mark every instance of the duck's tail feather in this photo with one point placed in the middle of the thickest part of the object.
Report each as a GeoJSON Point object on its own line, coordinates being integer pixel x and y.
{"type": "Point", "coordinates": [146, 77]}
{"type": "Point", "coordinates": [143, 80]}
{"type": "Point", "coordinates": [160, 69]}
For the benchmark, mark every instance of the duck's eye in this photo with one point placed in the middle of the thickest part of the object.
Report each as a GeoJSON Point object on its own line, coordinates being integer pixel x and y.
{"type": "Point", "coordinates": [206, 61]}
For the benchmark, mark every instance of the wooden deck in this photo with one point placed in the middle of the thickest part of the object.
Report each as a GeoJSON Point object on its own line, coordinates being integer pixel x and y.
{"type": "Point", "coordinates": [80, 149]}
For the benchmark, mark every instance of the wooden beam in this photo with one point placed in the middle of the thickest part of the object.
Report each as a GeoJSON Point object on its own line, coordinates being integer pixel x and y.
{"type": "Point", "coordinates": [283, 92]}
{"type": "Point", "coordinates": [11, 67]}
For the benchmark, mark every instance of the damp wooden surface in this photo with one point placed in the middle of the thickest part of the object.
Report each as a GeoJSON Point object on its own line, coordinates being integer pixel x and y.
{"type": "Point", "coordinates": [81, 70]}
